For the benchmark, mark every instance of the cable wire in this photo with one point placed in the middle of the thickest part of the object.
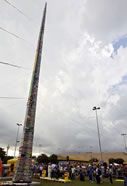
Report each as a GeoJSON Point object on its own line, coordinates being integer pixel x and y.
{"type": "Point", "coordinates": [16, 8]}
{"type": "Point", "coordinates": [3, 29]}
{"type": "Point", "coordinates": [9, 64]}
{"type": "Point", "coordinates": [12, 98]}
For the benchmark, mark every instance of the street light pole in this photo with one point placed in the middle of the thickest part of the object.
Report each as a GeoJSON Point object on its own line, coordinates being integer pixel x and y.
{"type": "Point", "coordinates": [97, 108]}
{"type": "Point", "coordinates": [18, 124]}
{"type": "Point", "coordinates": [124, 140]}
{"type": "Point", "coordinates": [39, 148]}
{"type": "Point", "coordinates": [8, 149]}
{"type": "Point", "coordinates": [91, 151]}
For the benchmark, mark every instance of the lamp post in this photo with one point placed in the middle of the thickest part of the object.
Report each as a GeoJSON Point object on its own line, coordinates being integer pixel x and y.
{"type": "Point", "coordinates": [8, 149]}
{"type": "Point", "coordinates": [97, 108]}
{"type": "Point", "coordinates": [124, 139]}
{"type": "Point", "coordinates": [18, 124]}
{"type": "Point", "coordinates": [40, 148]}
{"type": "Point", "coordinates": [59, 150]}
{"type": "Point", "coordinates": [91, 151]}
{"type": "Point", "coordinates": [79, 151]}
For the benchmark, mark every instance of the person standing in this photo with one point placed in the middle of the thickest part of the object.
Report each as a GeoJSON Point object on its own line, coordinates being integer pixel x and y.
{"type": "Point", "coordinates": [49, 170]}
{"type": "Point", "coordinates": [125, 175]}
{"type": "Point", "coordinates": [73, 172]}
{"type": "Point", "coordinates": [91, 173]}
{"type": "Point", "coordinates": [98, 173]}
{"type": "Point", "coordinates": [110, 174]}
{"type": "Point", "coordinates": [82, 176]}
{"type": "Point", "coordinates": [40, 170]}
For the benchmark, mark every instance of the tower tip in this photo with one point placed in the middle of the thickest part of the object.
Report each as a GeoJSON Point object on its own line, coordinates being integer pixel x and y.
{"type": "Point", "coordinates": [45, 3]}
{"type": "Point", "coordinates": [45, 7]}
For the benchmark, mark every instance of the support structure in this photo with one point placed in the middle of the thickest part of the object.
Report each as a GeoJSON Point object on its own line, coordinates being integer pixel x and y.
{"type": "Point", "coordinates": [23, 173]}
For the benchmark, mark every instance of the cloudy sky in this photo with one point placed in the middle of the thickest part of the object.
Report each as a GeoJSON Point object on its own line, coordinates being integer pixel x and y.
{"type": "Point", "coordinates": [84, 64]}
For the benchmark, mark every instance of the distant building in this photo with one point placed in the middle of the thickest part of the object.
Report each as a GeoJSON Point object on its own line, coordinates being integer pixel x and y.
{"type": "Point", "coordinates": [88, 155]}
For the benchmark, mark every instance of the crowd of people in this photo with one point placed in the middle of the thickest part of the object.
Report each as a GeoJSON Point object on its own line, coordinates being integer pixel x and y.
{"type": "Point", "coordinates": [94, 172]}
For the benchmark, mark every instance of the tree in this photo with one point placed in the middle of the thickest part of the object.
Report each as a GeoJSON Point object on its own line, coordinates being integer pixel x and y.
{"type": "Point", "coordinates": [53, 158]}
{"type": "Point", "coordinates": [43, 158]}
{"type": "Point", "coordinates": [111, 161]}
{"type": "Point", "coordinates": [2, 155]}
{"type": "Point", "coordinates": [9, 157]}
{"type": "Point", "coordinates": [118, 160]}
{"type": "Point", "coordinates": [34, 157]}
{"type": "Point", "coordinates": [93, 160]}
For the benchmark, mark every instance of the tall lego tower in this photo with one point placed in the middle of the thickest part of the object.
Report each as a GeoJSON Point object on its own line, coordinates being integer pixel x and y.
{"type": "Point", "coordinates": [23, 171]}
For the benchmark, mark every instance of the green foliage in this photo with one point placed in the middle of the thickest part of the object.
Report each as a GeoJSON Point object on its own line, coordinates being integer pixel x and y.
{"type": "Point", "coordinates": [43, 158]}
{"type": "Point", "coordinates": [34, 157]}
{"type": "Point", "coordinates": [53, 158]}
{"type": "Point", "coordinates": [2, 154]}
{"type": "Point", "coordinates": [111, 161]}
{"type": "Point", "coordinates": [93, 160]}
{"type": "Point", "coordinates": [4, 157]}
{"type": "Point", "coordinates": [9, 157]}
{"type": "Point", "coordinates": [118, 160]}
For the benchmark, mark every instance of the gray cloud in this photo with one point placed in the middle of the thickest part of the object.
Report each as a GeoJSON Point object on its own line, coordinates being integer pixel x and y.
{"type": "Point", "coordinates": [106, 20]}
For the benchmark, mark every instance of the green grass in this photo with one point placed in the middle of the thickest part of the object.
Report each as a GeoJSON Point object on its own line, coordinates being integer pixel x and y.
{"type": "Point", "coordinates": [80, 183]}
{"type": "Point", "coordinates": [77, 183]}
{"type": "Point", "coordinates": [4, 180]}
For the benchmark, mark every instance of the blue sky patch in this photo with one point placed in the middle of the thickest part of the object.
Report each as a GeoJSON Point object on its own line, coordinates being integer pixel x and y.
{"type": "Point", "coordinates": [121, 42]}
{"type": "Point", "coordinates": [115, 88]}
